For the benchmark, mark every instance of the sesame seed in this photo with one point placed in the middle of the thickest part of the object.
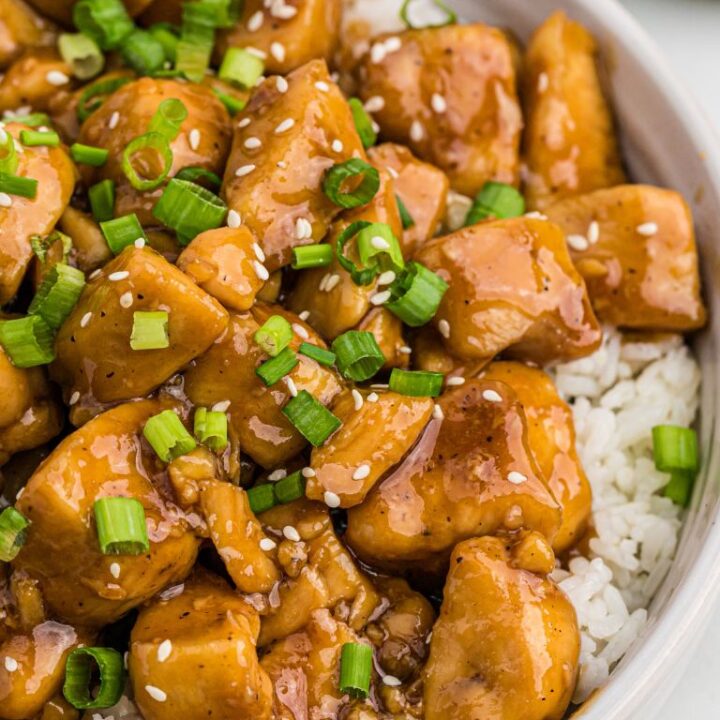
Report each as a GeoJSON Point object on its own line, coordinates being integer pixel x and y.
{"type": "Point", "coordinates": [57, 78]}
{"type": "Point", "coordinates": [303, 229]}
{"type": "Point", "coordinates": [438, 413]}
{"type": "Point", "coordinates": [444, 328]}
{"type": "Point", "coordinates": [259, 54]}
{"type": "Point", "coordinates": [244, 170]}
{"type": "Point", "coordinates": [115, 570]}
{"type": "Point", "coordinates": [267, 544]}
{"type": "Point", "coordinates": [308, 472]}
{"type": "Point", "coordinates": [393, 172]}
{"type": "Point", "coordinates": [85, 319]}
{"type": "Point", "coordinates": [5, 200]}
{"type": "Point", "coordinates": [281, 84]}
{"type": "Point", "coordinates": [375, 126]}
{"type": "Point", "coordinates": [278, 474]}
{"type": "Point", "coordinates": [11, 664]}
{"type": "Point", "coordinates": [194, 138]}
{"type": "Point", "coordinates": [292, 388]}
{"type": "Point", "coordinates": [322, 86]}
{"type": "Point", "coordinates": [221, 406]}
{"type": "Point", "coordinates": [244, 123]}
{"type": "Point", "coordinates": [647, 229]}
{"type": "Point", "coordinates": [333, 280]}
{"type": "Point", "coordinates": [405, 350]}
{"type": "Point", "coordinates": [253, 143]}
{"type": "Point", "coordinates": [323, 282]}
{"type": "Point", "coordinates": [380, 298]}
{"type": "Point", "coordinates": [492, 396]}
{"type": "Point", "coordinates": [535, 215]}
{"type": "Point", "coordinates": [114, 120]}
{"type": "Point", "coordinates": [255, 22]}
{"type": "Point", "coordinates": [284, 126]}
{"type": "Point", "coordinates": [372, 397]}
{"type": "Point", "coordinates": [358, 399]}
{"type": "Point", "coordinates": [417, 131]}
{"type": "Point", "coordinates": [393, 44]}
{"type": "Point", "coordinates": [139, 243]}
{"type": "Point", "coordinates": [304, 315]}
{"type": "Point", "coordinates": [593, 232]}
{"type": "Point", "coordinates": [282, 11]}
{"type": "Point", "coordinates": [94, 274]}
{"type": "Point", "coordinates": [156, 693]}
{"type": "Point", "coordinates": [331, 499]}
{"type": "Point", "coordinates": [362, 472]}
{"type": "Point", "coordinates": [233, 219]}
{"type": "Point", "coordinates": [380, 243]}
{"type": "Point", "coordinates": [126, 299]}
{"type": "Point", "coordinates": [277, 50]}
{"type": "Point", "coordinates": [542, 82]}
{"type": "Point", "coordinates": [386, 278]}
{"type": "Point", "coordinates": [120, 275]}
{"type": "Point", "coordinates": [375, 104]}
{"type": "Point", "coordinates": [291, 533]}
{"type": "Point", "coordinates": [455, 381]}
{"type": "Point", "coordinates": [259, 254]}
{"type": "Point", "coordinates": [438, 103]}
{"type": "Point", "coordinates": [391, 681]}
{"type": "Point", "coordinates": [260, 270]}
{"type": "Point", "coordinates": [337, 146]}
{"type": "Point", "coordinates": [377, 53]}
{"type": "Point", "coordinates": [578, 242]}
{"type": "Point", "coordinates": [74, 398]}
{"type": "Point", "coordinates": [281, 164]}
{"type": "Point", "coordinates": [516, 478]}
{"type": "Point", "coordinates": [164, 650]}
{"type": "Point", "coordinates": [301, 331]}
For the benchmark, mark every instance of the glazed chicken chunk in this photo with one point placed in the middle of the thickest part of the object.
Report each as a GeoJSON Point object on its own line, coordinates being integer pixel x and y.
{"type": "Point", "coordinates": [26, 81]}
{"type": "Point", "coordinates": [21, 28]}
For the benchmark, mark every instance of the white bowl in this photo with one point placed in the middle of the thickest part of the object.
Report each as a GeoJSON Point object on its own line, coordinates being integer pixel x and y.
{"type": "Point", "coordinates": [666, 141]}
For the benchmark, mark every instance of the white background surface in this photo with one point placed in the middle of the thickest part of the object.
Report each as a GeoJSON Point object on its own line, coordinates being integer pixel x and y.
{"type": "Point", "coordinates": [688, 33]}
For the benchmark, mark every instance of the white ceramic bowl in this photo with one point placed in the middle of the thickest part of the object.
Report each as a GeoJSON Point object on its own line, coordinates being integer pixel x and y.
{"type": "Point", "coordinates": [666, 141]}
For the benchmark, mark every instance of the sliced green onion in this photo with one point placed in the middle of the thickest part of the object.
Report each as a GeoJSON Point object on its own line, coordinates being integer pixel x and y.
{"type": "Point", "coordinates": [363, 123]}
{"type": "Point", "coordinates": [416, 383]}
{"type": "Point", "coordinates": [320, 355]}
{"type": "Point", "coordinates": [241, 67]}
{"type": "Point", "coordinates": [150, 330]}
{"type": "Point", "coordinates": [28, 341]}
{"type": "Point", "coordinates": [675, 448]}
{"type": "Point", "coordinates": [495, 200]}
{"type": "Point", "coordinates": [166, 35]}
{"type": "Point", "coordinates": [200, 175]}
{"type": "Point", "coordinates": [122, 232]}
{"type": "Point", "coordinates": [439, 16]}
{"type": "Point", "coordinates": [167, 436]}
{"type": "Point", "coordinates": [40, 245]}
{"type": "Point", "coordinates": [679, 489]}
{"type": "Point", "coordinates": [278, 367]}
{"type": "Point", "coordinates": [261, 498]}
{"type": "Point", "coordinates": [416, 295]}
{"type": "Point", "coordinates": [290, 488]}
{"type": "Point", "coordinates": [232, 104]}
{"type": "Point", "coordinates": [82, 54]}
{"type": "Point", "coordinates": [211, 428]}
{"type": "Point", "coordinates": [94, 95]}
{"type": "Point", "coordinates": [358, 355]}
{"type": "Point", "coordinates": [353, 170]}
{"type": "Point", "coordinates": [149, 141]}
{"type": "Point", "coordinates": [274, 335]}
{"type": "Point", "coordinates": [360, 276]}
{"type": "Point", "coordinates": [102, 200]}
{"type": "Point", "coordinates": [89, 155]}
{"type": "Point", "coordinates": [311, 418]}
{"type": "Point", "coordinates": [142, 52]}
{"type": "Point", "coordinates": [121, 528]}
{"type": "Point", "coordinates": [39, 138]}
{"type": "Point", "coordinates": [378, 247]}
{"type": "Point", "coordinates": [105, 21]}
{"type": "Point", "coordinates": [197, 36]}
{"type": "Point", "coordinates": [16, 185]}
{"type": "Point", "coordinates": [192, 60]}
{"type": "Point", "coordinates": [168, 118]}
{"type": "Point", "coordinates": [189, 209]}
{"type": "Point", "coordinates": [79, 683]}
{"type": "Point", "coordinates": [13, 531]}
{"type": "Point", "coordinates": [405, 216]}
{"type": "Point", "coordinates": [58, 294]}
{"type": "Point", "coordinates": [312, 256]}
{"type": "Point", "coordinates": [227, 12]}
{"type": "Point", "coordinates": [355, 669]}
{"type": "Point", "coordinates": [8, 154]}
{"type": "Point", "coordinates": [31, 120]}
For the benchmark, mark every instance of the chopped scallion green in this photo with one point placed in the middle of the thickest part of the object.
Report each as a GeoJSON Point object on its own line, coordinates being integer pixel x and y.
{"type": "Point", "coordinates": [13, 530]}
{"type": "Point", "coordinates": [150, 330]}
{"type": "Point", "coordinates": [211, 428]}
{"type": "Point", "coordinates": [58, 294]}
{"type": "Point", "coordinates": [28, 341]}
{"type": "Point", "coordinates": [311, 418]}
{"type": "Point", "coordinates": [167, 436]}
{"type": "Point", "coordinates": [122, 232]}
{"type": "Point", "coordinates": [121, 528]}
{"type": "Point", "coordinates": [361, 180]}
{"type": "Point", "coordinates": [358, 355]}
{"type": "Point", "coordinates": [320, 355]}
{"type": "Point", "coordinates": [278, 367]}
{"type": "Point", "coordinates": [416, 383]}
{"type": "Point", "coordinates": [274, 335]}
{"type": "Point", "coordinates": [355, 669]}
{"type": "Point", "coordinates": [78, 678]}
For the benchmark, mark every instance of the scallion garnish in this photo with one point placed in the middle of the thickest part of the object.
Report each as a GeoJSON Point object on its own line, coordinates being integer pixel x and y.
{"type": "Point", "coordinates": [58, 294]}
{"type": "Point", "coordinates": [150, 141]}
{"type": "Point", "coordinates": [495, 200]}
{"type": "Point", "coordinates": [166, 35]}
{"type": "Point", "coordinates": [232, 104]}
{"type": "Point", "coordinates": [32, 120]}
{"type": "Point", "coordinates": [142, 52]}
{"type": "Point", "coordinates": [278, 367]}
{"type": "Point", "coordinates": [311, 418]}
{"type": "Point", "coordinates": [416, 383]}
{"type": "Point", "coordinates": [82, 54]}
{"type": "Point", "coordinates": [105, 21]}
{"type": "Point", "coordinates": [16, 185]}
{"type": "Point", "coordinates": [168, 118]}
{"type": "Point", "coordinates": [102, 200]}
{"type": "Point", "coordinates": [97, 93]}
{"type": "Point", "coordinates": [312, 256]}
{"type": "Point", "coordinates": [675, 448]}
{"type": "Point", "coordinates": [167, 436]}
{"type": "Point", "coordinates": [197, 36]}
{"type": "Point", "coordinates": [201, 176]}
{"type": "Point", "coordinates": [439, 15]}
{"type": "Point", "coordinates": [211, 428]}
{"type": "Point", "coordinates": [227, 12]}
{"type": "Point", "coordinates": [318, 354]}
{"type": "Point", "coordinates": [88, 155]}
{"type": "Point", "coordinates": [78, 678]}
{"type": "Point", "coordinates": [360, 276]}
{"type": "Point", "coordinates": [274, 335]}
{"type": "Point", "coordinates": [379, 248]}
{"type": "Point", "coordinates": [241, 67]}
{"type": "Point", "coordinates": [290, 488]}
{"type": "Point", "coordinates": [150, 330]}
{"type": "Point", "coordinates": [679, 489]}
{"type": "Point", "coordinates": [261, 498]}
{"type": "Point", "coordinates": [362, 178]}
{"type": "Point", "coordinates": [363, 123]}
{"type": "Point", "coordinates": [8, 154]}
{"type": "Point", "coordinates": [28, 341]}
{"type": "Point", "coordinates": [416, 295]}
{"type": "Point", "coordinates": [13, 530]}
{"type": "Point", "coordinates": [357, 354]}
{"type": "Point", "coordinates": [40, 245]}
{"type": "Point", "coordinates": [39, 138]}
{"type": "Point", "coordinates": [405, 217]}
{"type": "Point", "coordinates": [355, 669]}
{"type": "Point", "coordinates": [121, 232]}
{"type": "Point", "coordinates": [121, 528]}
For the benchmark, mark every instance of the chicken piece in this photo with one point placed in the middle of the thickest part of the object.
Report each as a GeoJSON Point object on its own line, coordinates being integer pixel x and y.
{"type": "Point", "coordinates": [506, 644]}
{"type": "Point", "coordinates": [194, 656]}
{"type": "Point", "coordinates": [25, 217]}
{"type": "Point", "coordinates": [221, 262]}
{"type": "Point", "coordinates": [296, 33]}
{"type": "Point", "coordinates": [513, 289]}
{"type": "Point", "coordinates": [32, 668]}
{"type": "Point", "coordinates": [329, 579]}
{"type": "Point", "coordinates": [27, 81]}
{"type": "Point", "coordinates": [422, 187]}
{"type": "Point", "coordinates": [29, 413]}
{"type": "Point", "coordinates": [106, 457]}
{"type": "Point", "coordinates": [90, 250]}
{"type": "Point", "coordinates": [21, 28]}
{"type": "Point", "coordinates": [551, 436]}
{"type": "Point", "coordinates": [471, 473]}
{"type": "Point", "coordinates": [449, 95]}
{"type": "Point", "coordinates": [274, 179]}
{"type": "Point", "coordinates": [226, 372]}
{"type": "Point", "coordinates": [388, 331]}
{"type": "Point", "coordinates": [569, 142]}
{"type": "Point", "coordinates": [635, 248]}
{"type": "Point", "coordinates": [334, 301]}
{"type": "Point", "coordinates": [136, 103]}
{"type": "Point", "coordinates": [372, 440]}
{"type": "Point", "coordinates": [305, 670]}
{"type": "Point", "coordinates": [236, 534]}
{"type": "Point", "coordinates": [94, 357]}
{"type": "Point", "coordinates": [61, 10]}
